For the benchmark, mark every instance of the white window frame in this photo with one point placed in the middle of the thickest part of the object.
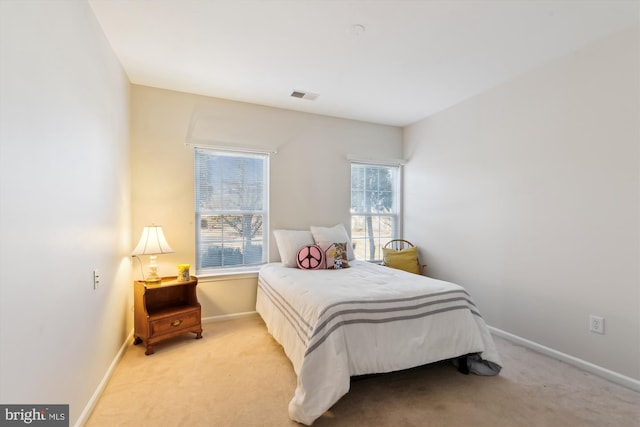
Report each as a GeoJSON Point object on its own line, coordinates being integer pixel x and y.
{"type": "Point", "coordinates": [199, 212]}
{"type": "Point", "coordinates": [395, 212]}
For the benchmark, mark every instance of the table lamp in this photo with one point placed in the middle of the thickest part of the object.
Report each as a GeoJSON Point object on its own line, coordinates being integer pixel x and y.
{"type": "Point", "coordinates": [152, 243]}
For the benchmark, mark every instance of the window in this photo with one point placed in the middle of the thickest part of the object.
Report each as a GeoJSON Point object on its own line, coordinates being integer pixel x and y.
{"type": "Point", "coordinates": [231, 209]}
{"type": "Point", "coordinates": [375, 208]}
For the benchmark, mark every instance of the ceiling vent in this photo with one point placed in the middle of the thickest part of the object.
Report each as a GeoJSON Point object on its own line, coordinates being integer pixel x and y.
{"type": "Point", "coordinates": [304, 95]}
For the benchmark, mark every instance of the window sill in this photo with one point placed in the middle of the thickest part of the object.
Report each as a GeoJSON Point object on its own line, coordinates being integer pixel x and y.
{"type": "Point", "coordinates": [229, 274]}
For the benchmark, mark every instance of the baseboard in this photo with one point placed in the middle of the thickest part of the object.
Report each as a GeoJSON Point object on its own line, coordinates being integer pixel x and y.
{"type": "Point", "coordinates": [229, 316]}
{"type": "Point", "coordinates": [84, 416]}
{"type": "Point", "coordinates": [612, 376]}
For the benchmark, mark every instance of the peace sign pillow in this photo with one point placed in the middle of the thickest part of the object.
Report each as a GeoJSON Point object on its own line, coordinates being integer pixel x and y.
{"type": "Point", "coordinates": [310, 257]}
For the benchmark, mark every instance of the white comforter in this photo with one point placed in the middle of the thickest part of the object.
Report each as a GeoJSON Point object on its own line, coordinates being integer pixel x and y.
{"type": "Point", "coordinates": [365, 319]}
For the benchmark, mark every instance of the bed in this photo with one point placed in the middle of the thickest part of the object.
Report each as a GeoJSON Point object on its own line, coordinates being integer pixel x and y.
{"type": "Point", "coordinates": [365, 319]}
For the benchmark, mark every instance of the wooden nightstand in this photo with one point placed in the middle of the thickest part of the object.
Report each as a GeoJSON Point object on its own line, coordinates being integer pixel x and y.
{"type": "Point", "coordinates": [165, 310]}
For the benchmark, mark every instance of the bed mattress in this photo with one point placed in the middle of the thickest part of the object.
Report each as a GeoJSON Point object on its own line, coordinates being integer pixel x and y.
{"type": "Point", "coordinates": [334, 324]}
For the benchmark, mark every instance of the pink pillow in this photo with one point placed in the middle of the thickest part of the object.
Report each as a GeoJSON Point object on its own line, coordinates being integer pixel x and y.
{"type": "Point", "coordinates": [310, 257]}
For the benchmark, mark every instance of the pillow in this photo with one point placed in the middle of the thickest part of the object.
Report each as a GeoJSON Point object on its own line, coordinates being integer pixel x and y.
{"type": "Point", "coordinates": [289, 243]}
{"type": "Point", "coordinates": [336, 233]}
{"type": "Point", "coordinates": [310, 257]}
{"type": "Point", "coordinates": [406, 259]}
{"type": "Point", "coordinates": [335, 255]}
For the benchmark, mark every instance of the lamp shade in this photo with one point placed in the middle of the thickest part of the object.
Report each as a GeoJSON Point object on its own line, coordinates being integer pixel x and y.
{"type": "Point", "coordinates": [152, 242]}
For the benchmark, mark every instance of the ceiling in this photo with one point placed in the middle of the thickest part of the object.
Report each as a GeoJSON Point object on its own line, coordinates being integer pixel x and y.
{"type": "Point", "coordinates": [391, 62]}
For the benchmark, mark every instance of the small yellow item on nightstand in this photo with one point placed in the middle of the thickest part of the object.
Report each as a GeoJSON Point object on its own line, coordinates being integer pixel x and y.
{"type": "Point", "coordinates": [183, 272]}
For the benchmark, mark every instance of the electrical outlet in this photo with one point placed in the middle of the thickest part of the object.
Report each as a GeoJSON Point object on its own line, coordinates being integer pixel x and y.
{"type": "Point", "coordinates": [96, 279]}
{"type": "Point", "coordinates": [596, 324]}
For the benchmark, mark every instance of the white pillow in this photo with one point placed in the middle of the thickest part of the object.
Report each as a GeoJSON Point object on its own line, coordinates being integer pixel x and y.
{"type": "Point", "coordinates": [289, 243]}
{"type": "Point", "coordinates": [335, 234]}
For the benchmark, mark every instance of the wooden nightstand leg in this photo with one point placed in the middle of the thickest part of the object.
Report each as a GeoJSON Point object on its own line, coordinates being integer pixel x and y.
{"type": "Point", "coordinates": [199, 334]}
{"type": "Point", "coordinates": [150, 350]}
{"type": "Point", "coordinates": [137, 340]}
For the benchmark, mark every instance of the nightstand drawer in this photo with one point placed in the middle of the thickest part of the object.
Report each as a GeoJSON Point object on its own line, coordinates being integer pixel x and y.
{"type": "Point", "coordinates": [174, 323]}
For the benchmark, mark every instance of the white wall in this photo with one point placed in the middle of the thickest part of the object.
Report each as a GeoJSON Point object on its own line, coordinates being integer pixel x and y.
{"type": "Point", "coordinates": [64, 204]}
{"type": "Point", "coordinates": [310, 173]}
{"type": "Point", "coordinates": [528, 195]}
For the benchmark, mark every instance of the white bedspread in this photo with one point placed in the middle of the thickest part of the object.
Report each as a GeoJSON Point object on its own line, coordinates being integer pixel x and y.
{"type": "Point", "coordinates": [365, 319]}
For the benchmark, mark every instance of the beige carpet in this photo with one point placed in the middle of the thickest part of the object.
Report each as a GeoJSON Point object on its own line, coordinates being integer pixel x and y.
{"type": "Point", "coordinates": [238, 376]}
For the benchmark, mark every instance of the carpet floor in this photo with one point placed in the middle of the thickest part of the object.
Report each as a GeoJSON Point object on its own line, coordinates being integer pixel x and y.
{"type": "Point", "coordinates": [238, 376]}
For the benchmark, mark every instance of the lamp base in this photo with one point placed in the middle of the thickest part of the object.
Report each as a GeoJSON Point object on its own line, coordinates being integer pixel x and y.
{"type": "Point", "coordinates": [153, 276]}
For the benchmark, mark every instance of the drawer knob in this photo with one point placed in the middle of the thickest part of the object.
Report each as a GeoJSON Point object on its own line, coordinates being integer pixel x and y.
{"type": "Point", "coordinates": [176, 322]}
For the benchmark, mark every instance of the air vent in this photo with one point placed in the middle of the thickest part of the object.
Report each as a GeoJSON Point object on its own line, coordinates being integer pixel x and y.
{"type": "Point", "coordinates": [304, 95]}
